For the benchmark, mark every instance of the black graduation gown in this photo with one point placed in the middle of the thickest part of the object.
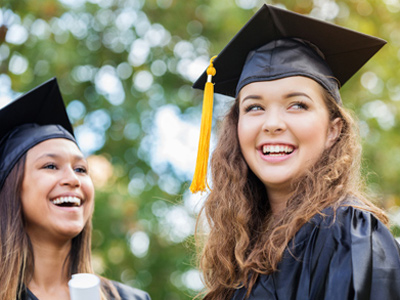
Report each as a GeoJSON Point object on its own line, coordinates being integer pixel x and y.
{"type": "Point", "coordinates": [126, 293]}
{"type": "Point", "coordinates": [354, 257]}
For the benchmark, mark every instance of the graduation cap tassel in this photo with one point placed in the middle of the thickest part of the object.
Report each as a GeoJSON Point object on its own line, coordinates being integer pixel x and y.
{"type": "Point", "coordinates": [199, 182]}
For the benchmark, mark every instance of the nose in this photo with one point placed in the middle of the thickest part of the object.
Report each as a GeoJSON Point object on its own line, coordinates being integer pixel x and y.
{"type": "Point", "coordinates": [274, 122]}
{"type": "Point", "coordinates": [70, 178]}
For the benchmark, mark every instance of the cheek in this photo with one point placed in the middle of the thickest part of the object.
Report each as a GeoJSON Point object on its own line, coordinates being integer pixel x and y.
{"type": "Point", "coordinates": [87, 184]}
{"type": "Point", "coordinates": [88, 189]}
{"type": "Point", "coordinates": [313, 129]}
{"type": "Point", "coordinates": [243, 131]}
{"type": "Point", "coordinates": [31, 209]}
{"type": "Point", "coordinates": [28, 197]}
{"type": "Point", "coordinates": [312, 137]}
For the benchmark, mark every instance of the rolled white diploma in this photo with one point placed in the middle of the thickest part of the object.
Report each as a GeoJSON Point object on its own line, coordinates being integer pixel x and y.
{"type": "Point", "coordinates": [84, 286]}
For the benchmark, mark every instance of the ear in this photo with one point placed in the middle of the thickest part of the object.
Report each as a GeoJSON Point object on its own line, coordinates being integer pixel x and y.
{"type": "Point", "coordinates": [334, 130]}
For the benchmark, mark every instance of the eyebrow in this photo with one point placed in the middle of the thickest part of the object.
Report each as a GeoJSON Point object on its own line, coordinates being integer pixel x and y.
{"type": "Point", "coordinates": [297, 94]}
{"type": "Point", "coordinates": [54, 155]}
{"type": "Point", "coordinates": [289, 95]}
{"type": "Point", "coordinates": [254, 97]}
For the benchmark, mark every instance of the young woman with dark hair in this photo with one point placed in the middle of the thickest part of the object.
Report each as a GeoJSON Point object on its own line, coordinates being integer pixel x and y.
{"type": "Point", "coordinates": [46, 202]}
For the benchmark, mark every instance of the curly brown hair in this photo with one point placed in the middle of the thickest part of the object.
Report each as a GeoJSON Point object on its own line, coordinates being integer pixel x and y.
{"type": "Point", "coordinates": [244, 239]}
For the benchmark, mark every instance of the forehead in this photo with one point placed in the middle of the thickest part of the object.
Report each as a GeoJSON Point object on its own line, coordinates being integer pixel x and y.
{"type": "Point", "coordinates": [284, 86]}
{"type": "Point", "coordinates": [58, 146]}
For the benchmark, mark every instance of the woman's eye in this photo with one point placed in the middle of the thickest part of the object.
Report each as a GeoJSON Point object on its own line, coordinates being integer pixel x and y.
{"type": "Point", "coordinates": [50, 166]}
{"type": "Point", "coordinates": [299, 106]}
{"type": "Point", "coordinates": [253, 108]}
{"type": "Point", "coordinates": [81, 170]}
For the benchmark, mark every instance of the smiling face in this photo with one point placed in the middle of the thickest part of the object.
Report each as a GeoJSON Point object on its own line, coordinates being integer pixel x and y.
{"type": "Point", "coordinates": [57, 192]}
{"type": "Point", "coordinates": [283, 129]}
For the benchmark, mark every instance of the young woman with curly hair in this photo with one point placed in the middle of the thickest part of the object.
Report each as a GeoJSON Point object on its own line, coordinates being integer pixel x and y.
{"type": "Point", "coordinates": [46, 202]}
{"type": "Point", "coordinates": [287, 216]}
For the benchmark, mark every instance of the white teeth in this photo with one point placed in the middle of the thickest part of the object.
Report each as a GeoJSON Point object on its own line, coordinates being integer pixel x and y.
{"type": "Point", "coordinates": [75, 200]}
{"type": "Point", "coordinates": [275, 150]}
{"type": "Point", "coordinates": [265, 149]}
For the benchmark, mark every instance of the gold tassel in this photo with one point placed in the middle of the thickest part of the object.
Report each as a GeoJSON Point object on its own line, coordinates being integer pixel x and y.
{"type": "Point", "coordinates": [199, 182]}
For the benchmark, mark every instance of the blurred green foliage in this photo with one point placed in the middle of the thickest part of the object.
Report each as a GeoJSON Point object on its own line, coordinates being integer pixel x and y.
{"type": "Point", "coordinates": [119, 61]}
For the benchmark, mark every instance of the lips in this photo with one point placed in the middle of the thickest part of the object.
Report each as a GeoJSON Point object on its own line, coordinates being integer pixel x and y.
{"type": "Point", "coordinates": [277, 149]}
{"type": "Point", "coordinates": [67, 201]}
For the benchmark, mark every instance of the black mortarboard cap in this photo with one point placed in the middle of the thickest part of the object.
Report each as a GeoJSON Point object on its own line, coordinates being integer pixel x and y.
{"type": "Point", "coordinates": [34, 117]}
{"type": "Point", "coordinates": [343, 52]}
{"type": "Point", "coordinates": [275, 44]}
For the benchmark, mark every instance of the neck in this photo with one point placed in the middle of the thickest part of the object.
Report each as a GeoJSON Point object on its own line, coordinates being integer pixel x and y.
{"type": "Point", "coordinates": [49, 272]}
{"type": "Point", "coordinates": [277, 199]}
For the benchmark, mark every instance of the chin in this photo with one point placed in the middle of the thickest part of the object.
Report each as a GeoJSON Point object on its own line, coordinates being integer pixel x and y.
{"type": "Point", "coordinates": [276, 180]}
{"type": "Point", "coordinates": [277, 184]}
{"type": "Point", "coordinates": [71, 232]}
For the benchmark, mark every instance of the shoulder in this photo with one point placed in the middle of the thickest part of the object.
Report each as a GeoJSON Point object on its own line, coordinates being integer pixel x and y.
{"type": "Point", "coordinates": [354, 230]}
{"type": "Point", "coordinates": [347, 227]}
{"type": "Point", "coordinates": [362, 250]}
{"type": "Point", "coordinates": [348, 216]}
{"type": "Point", "coordinates": [129, 293]}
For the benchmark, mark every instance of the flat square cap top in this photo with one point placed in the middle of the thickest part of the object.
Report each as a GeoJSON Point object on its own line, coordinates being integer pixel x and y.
{"type": "Point", "coordinates": [42, 105]}
{"type": "Point", "coordinates": [343, 51]}
{"type": "Point", "coordinates": [34, 117]}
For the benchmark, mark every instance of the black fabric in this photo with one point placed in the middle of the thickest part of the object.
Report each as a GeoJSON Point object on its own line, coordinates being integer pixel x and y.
{"type": "Point", "coordinates": [345, 51]}
{"type": "Point", "coordinates": [42, 105]}
{"type": "Point", "coordinates": [21, 139]}
{"type": "Point", "coordinates": [125, 292]}
{"type": "Point", "coordinates": [28, 295]}
{"type": "Point", "coordinates": [284, 58]}
{"type": "Point", "coordinates": [34, 117]}
{"type": "Point", "coordinates": [350, 256]}
{"type": "Point", "coordinates": [130, 293]}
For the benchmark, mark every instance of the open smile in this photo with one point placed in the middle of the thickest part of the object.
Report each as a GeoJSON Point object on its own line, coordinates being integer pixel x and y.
{"type": "Point", "coordinates": [277, 150]}
{"type": "Point", "coordinates": [69, 201]}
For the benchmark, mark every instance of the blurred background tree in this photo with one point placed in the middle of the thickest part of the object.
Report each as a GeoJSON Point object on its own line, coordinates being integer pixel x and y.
{"type": "Point", "coordinates": [125, 68]}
